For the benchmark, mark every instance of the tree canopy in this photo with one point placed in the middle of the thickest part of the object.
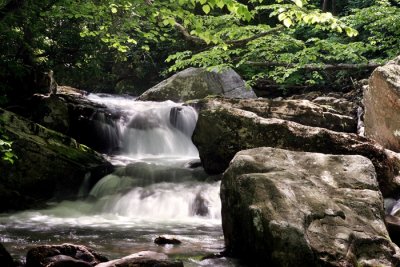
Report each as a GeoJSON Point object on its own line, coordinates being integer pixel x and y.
{"type": "Point", "coordinates": [128, 45]}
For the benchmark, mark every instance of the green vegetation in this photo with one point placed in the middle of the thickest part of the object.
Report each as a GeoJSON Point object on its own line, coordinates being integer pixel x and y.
{"type": "Point", "coordinates": [6, 153]}
{"type": "Point", "coordinates": [129, 45]}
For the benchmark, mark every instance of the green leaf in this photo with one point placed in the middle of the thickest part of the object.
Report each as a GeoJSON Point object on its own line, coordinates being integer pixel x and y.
{"type": "Point", "coordinates": [287, 22]}
{"type": "Point", "coordinates": [206, 9]}
{"type": "Point", "coordinates": [220, 4]}
{"type": "Point", "coordinates": [114, 10]}
{"type": "Point", "coordinates": [298, 3]}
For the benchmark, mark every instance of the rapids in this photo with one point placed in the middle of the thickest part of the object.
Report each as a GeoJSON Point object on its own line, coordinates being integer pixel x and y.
{"type": "Point", "coordinates": [153, 191]}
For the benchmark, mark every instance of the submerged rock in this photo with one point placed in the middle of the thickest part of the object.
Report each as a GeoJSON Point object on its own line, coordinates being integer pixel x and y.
{"type": "Point", "coordinates": [164, 240]}
{"type": "Point", "coordinates": [143, 259]}
{"type": "Point", "coordinates": [49, 164]}
{"type": "Point", "coordinates": [63, 255]}
{"type": "Point", "coordinates": [223, 130]}
{"type": "Point", "coordinates": [382, 105]}
{"type": "Point", "coordinates": [196, 83]}
{"type": "Point", "coordinates": [284, 208]}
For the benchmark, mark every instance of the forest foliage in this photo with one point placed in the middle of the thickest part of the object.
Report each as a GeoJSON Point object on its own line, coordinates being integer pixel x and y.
{"type": "Point", "coordinates": [128, 45]}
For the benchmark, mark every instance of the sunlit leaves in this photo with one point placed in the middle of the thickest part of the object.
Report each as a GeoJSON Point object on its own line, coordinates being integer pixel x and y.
{"type": "Point", "coordinates": [206, 9]}
{"type": "Point", "coordinates": [6, 152]}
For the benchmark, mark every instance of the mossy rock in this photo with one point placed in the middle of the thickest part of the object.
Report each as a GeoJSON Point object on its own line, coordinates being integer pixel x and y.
{"type": "Point", "coordinates": [49, 165]}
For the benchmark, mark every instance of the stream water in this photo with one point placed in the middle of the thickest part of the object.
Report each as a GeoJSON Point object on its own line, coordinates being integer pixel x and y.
{"type": "Point", "coordinates": [156, 190]}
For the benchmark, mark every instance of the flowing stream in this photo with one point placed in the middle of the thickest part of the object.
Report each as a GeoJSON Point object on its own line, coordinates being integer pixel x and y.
{"type": "Point", "coordinates": [157, 189]}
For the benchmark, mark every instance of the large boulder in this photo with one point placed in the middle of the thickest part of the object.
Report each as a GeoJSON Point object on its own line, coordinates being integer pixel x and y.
{"type": "Point", "coordinates": [300, 111]}
{"type": "Point", "coordinates": [222, 131]}
{"type": "Point", "coordinates": [196, 83]}
{"type": "Point", "coordinates": [284, 208]}
{"type": "Point", "coordinates": [49, 164]}
{"type": "Point", "coordinates": [63, 255]}
{"type": "Point", "coordinates": [382, 105]}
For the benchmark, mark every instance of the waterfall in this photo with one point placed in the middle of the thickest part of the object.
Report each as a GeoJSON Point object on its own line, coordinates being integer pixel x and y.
{"type": "Point", "coordinates": [157, 188]}
{"type": "Point", "coordinates": [150, 129]}
{"type": "Point", "coordinates": [153, 183]}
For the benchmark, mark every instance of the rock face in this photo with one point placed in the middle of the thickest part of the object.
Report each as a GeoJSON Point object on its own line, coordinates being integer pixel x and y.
{"type": "Point", "coordinates": [5, 258]}
{"type": "Point", "coordinates": [63, 255]}
{"type": "Point", "coordinates": [72, 114]}
{"type": "Point", "coordinates": [300, 111]}
{"type": "Point", "coordinates": [196, 83]}
{"type": "Point", "coordinates": [49, 164]}
{"type": "Point", "coordinates": [382, 105]}
{"type": "Point", "coordinates": [143, 259]}
{"type": "Point", "coordinates": [222, 131]}
{"type": "Point", "coordinates": [284, 208]}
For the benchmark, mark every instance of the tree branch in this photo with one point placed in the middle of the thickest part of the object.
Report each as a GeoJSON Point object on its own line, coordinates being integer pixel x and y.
{"type": "Point", "coordinates": [254, 37]}
{"type": "Point", "coordinates": [339, 66]}
{"type": "Point", "coordinates": [187, 35]}
{"type": "Point", "coordinates": [239, 42]}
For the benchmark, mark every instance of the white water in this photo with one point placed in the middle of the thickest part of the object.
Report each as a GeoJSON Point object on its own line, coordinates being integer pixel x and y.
{"type": "Point", "coordinates": [146, 128]}
{"type": "Point", "coordinates": [152, 192]}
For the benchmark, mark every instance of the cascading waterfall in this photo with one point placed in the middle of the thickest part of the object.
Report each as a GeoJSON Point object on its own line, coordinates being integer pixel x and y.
{"type": "Point", "coordinates": [150, 129]}
{"type": "Point", "coordinates": [152, 191]}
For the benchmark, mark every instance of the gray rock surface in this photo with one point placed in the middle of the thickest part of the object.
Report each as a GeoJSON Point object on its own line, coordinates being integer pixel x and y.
{"type": "Point", "coordinates": [196, 83]}
{"type": "Point", "coordinates": [300, 111]}
{"type": "Point", "coordinates": [382, 105]}
{"type": "Point", "coordinates": [222, 131]}
{"type": "Point", "coordinates": [284, 208]}
{"type": "Point", "coordinates": [63, 255]}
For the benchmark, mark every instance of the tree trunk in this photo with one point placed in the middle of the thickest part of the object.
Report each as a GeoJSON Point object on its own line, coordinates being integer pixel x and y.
{"type": "Point", "coordinates": [325, 5]}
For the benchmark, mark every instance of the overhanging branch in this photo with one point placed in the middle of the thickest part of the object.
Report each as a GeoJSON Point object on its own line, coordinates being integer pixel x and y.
{"type": "Point", "coordinates": [240, 42]}
{"type": "Point", "coordinates": [187, 35]}
{"type": "Point", "coordinates": [339, 66]}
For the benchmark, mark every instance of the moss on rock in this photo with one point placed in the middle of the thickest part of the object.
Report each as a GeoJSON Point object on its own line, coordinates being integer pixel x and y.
{"type": "Point", "coordinates": [49, 164]}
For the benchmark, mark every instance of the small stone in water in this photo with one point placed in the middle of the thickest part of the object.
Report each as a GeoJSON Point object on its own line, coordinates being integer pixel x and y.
{"type": "Point", "coordinates": [162, 240]}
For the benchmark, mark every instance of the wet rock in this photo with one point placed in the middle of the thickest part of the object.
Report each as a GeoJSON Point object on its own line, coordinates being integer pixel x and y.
{"type": "Point", "coordinates": [71, 113]}
{"type": "Point", "coordinates": [382, 105]}
{"type": "Point", "coordinates": [196, 83]}
{"type": "Point", "coordinates": [62, 256]}
{"type": "Point", "coordinates": [49, 165]}
{"type": "Point", "coordinates": [65, 261]}
{"type": "Point", "coordinates": [193, 164]}
{"type": "Point", "coordinates": [340, 105]}
{"type": "Point", "coordinates": [300, 111]}
{"type": "Point", "coordinates": [144, 121]}
{"type": "Point", "coordinates": [199, 206]}
{"type": "Point", "coordinates": [165, 240]}
{"type": "Point", "coordinates": [285, 208]}
{"type": "Point", "coordinates": [184, 119]}
{"type": "Point", "coordinates": [143, 259]}
{"type": "Point", "coordinates": [393, 227]}
{"type": "Point", "coordinates": [5, 258]}
{"type": "Point", "coordinates": [223, 130]}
